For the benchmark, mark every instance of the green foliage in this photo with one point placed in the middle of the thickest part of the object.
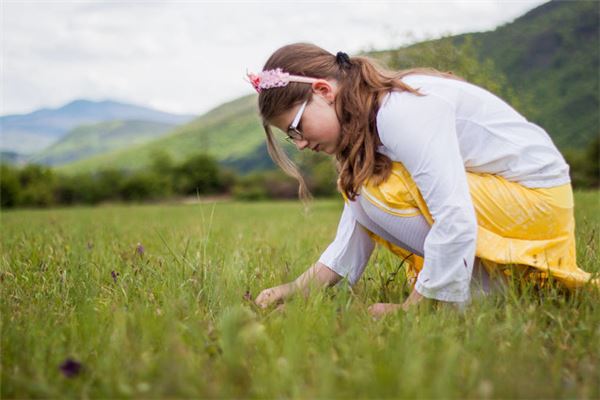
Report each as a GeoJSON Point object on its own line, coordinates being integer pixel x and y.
{"type": "Point", "coordinates": [318, 170]}
{"type": "Point", "coordinates": [461, 59]}
{"type": "Point", "coordinates": [321, 175]}
{"type": "Point", "coordinates": [551, 55]}
{"type": "Point", "coordinates": [9, 186]}
{"type": "Point", "coordinates": [593, 157]}
{"type": "Point", "coordinates": [38, 186]}
{"type": "Point", "coordinates": [80, 188]}
{"type": "Point", "coordinates": [263, 185]}
{"type": "Point", "coordinates": [198, 174]}
{"type": "Point", "coordinates": [143, 186]}
{"type": "Point", "coordinates": [162, 162]}
{"type": "Point", "coordinates": [585, 165]}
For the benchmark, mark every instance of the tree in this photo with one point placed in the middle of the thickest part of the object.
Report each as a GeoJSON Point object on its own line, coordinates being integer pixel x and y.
{"type": "Point", "coordinates": [461, 59]}
{"type": "Point", "coordinates": [9, 187]}
{"type": "Point", "coordinates": [198, 174]}
{"type": "Point", "coordinates": [37, 185]}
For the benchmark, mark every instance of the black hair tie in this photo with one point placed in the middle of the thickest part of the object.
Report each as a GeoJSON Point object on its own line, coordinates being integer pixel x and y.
{"type": "Point", "coordinates": [343, 60]}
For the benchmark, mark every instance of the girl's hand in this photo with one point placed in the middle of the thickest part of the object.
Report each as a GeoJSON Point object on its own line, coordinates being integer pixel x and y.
{"type": "Point", "coordinates": [273, 295]}
{"type": "Point", "coordinates": [318, 273]}
{"type": "Point", "coordinates": [378, 310]}
{"type": "Point", "coordinates": [413, 299]}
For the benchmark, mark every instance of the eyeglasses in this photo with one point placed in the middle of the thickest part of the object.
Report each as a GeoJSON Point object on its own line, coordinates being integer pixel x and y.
{"type": "Point", "coordinates": [293, 133]}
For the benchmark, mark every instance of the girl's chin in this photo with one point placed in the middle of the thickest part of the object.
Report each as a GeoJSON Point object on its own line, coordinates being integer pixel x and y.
{"type": "Point", "coordinates": [324, 149]}
{"type": "Point", "coordinates": [330, 151]}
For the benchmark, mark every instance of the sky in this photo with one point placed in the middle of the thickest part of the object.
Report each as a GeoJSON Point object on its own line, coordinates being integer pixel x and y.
{"type": "Point", "coordinates": [191, 56]}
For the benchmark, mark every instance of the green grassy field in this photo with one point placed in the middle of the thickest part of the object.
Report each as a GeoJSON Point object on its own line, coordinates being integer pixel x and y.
{"type": "Point", "coordinates": [150, 300]}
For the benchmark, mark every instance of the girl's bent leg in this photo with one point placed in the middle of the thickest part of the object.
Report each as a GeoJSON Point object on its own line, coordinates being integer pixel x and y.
{"type": "Point", "coordinates": [409, 233]}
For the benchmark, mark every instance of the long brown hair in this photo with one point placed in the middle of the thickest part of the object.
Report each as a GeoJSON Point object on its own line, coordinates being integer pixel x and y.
{"type": "Point", "coordinates": [361, 88]}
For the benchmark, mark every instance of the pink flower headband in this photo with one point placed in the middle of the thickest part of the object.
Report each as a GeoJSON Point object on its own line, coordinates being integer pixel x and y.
{"type": "Point", "coordinates": [275, 78]}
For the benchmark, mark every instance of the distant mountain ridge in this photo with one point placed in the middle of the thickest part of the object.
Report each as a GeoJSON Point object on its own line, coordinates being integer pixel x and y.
{"type": "Point", "coordinates": [230, 132]}
{"type": "Point", "coordinates": [89, 140]}
{"type": "Point", "coordinates": [30, 133]}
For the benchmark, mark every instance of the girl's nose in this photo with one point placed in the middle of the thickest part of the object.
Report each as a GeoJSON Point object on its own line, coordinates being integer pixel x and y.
{"type": "Point", "coordinates": [301, 144]}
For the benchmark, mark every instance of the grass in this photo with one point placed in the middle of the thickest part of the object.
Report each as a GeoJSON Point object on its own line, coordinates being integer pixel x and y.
{"type": "Point", "coordinates": [150, 301]}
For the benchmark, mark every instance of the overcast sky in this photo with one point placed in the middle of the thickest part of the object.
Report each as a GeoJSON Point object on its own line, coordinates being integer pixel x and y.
{"type": "Point", "coordinates": [190, 56]}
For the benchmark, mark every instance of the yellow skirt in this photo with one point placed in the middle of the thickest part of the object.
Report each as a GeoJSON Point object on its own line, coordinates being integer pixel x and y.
{"type": "Point", "coordinates": [517, 226]}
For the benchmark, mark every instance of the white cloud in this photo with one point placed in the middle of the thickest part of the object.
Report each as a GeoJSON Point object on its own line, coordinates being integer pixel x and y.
{"type": "Point", "coordinates": [190, 56]}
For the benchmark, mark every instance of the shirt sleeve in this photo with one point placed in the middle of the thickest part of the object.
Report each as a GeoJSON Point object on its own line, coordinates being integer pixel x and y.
{"type": "Point", "coordinates": [351, 249]}
{"type": "Point", "coordinates": [420, 132]}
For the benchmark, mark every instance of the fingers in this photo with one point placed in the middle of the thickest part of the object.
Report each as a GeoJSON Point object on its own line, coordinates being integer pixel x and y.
{"type": "Point", "coordinates": [378, 310]}
{"type": "Point", "coordinates": [266, 297]}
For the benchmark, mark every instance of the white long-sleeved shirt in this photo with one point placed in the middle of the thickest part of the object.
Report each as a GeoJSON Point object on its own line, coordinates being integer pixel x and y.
{"type": "Point", "coordinates": [455, 127]}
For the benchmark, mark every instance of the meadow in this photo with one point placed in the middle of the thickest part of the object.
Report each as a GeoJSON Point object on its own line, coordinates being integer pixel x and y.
{"type": "Point", "coordinates": [146, 301]}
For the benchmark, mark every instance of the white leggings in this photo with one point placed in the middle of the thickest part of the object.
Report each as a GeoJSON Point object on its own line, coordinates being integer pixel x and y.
{"type": "Point", "coordinates": [410, 233]}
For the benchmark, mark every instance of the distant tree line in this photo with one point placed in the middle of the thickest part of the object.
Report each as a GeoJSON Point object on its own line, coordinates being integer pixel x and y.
{"type": "Point", "coordinates": [585, 165]}
{"type": "Point", "coordinates": [39, 186]}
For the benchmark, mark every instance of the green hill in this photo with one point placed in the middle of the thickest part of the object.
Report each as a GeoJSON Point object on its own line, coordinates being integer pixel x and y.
{"type": "Point", "coordinates": [548, 57]}
{"type": "Point", "coordinates": [231, 133]}
{"type": "Point", "coordinates": [544, 63]}
{"type": "Point", "coordinates": [88, 140]}
{"type": "Point", "coordinates": [551, 55]}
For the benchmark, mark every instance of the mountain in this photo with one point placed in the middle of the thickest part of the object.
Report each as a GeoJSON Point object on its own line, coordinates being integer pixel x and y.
{"type": "Point", "coordinates": [89, 140]}
{"type": "Point", "coordinates": [30, 133]}
{"type": "Point", "coordinates": [548, 57]}
{"type": "Point", "coordinates": [231, 133]}
{"type": "Point", "coordinates": [551, 55]}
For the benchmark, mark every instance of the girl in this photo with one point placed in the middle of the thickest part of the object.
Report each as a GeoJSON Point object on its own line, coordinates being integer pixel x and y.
{"type": "Point", "coordinates": [441, 172]}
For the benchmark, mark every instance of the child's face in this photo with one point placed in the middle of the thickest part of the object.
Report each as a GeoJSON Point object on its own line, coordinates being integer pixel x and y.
{"type": "Point", "coordinates": [319, 124]}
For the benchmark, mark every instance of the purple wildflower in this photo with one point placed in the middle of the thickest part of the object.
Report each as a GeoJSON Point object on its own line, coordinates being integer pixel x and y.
{"type": "Point", "coordinates": [70, 368]}
{"type": "Point", "coordinates": [114, 275]}
{"type": "Point", "coordinates": [139, 249]}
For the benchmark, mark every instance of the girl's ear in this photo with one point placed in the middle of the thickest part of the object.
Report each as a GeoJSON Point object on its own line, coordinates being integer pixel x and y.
{"type": "Point", "coordinates": [324, 88]}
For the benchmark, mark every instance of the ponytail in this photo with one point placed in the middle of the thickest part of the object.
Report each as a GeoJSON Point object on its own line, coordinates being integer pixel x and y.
{"type": "Point", "coordinates": [362, 84]}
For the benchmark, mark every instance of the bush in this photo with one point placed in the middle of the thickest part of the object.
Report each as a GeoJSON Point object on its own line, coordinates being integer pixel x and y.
{"type": "Point", "coordinates": [323, 180]}
{"type": "Point", "coordinates": [37, 186]}
{"type": "Point", "coordinates": [76, 189]}
{"type": "Point", "coordinates": [267, 184]}
{"type": "Point", "coordinates": [143, 186]}
{"type": "Point", "coordinates": [250, 187]}
{"type": "Point", "coordinates": [585, 165]}
{"type": "Point", "coordinates": [198, 174]}
{"type": "Point", "coordinates": [10, 188]}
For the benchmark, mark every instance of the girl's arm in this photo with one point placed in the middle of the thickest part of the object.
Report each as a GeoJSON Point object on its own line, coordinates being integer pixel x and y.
{"type": "Point", "coordinates": [318, 275]}
{"type": "Point", "coordinates": [347, 256]}
{"type": "Point", "coordinates": [420, 132]}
